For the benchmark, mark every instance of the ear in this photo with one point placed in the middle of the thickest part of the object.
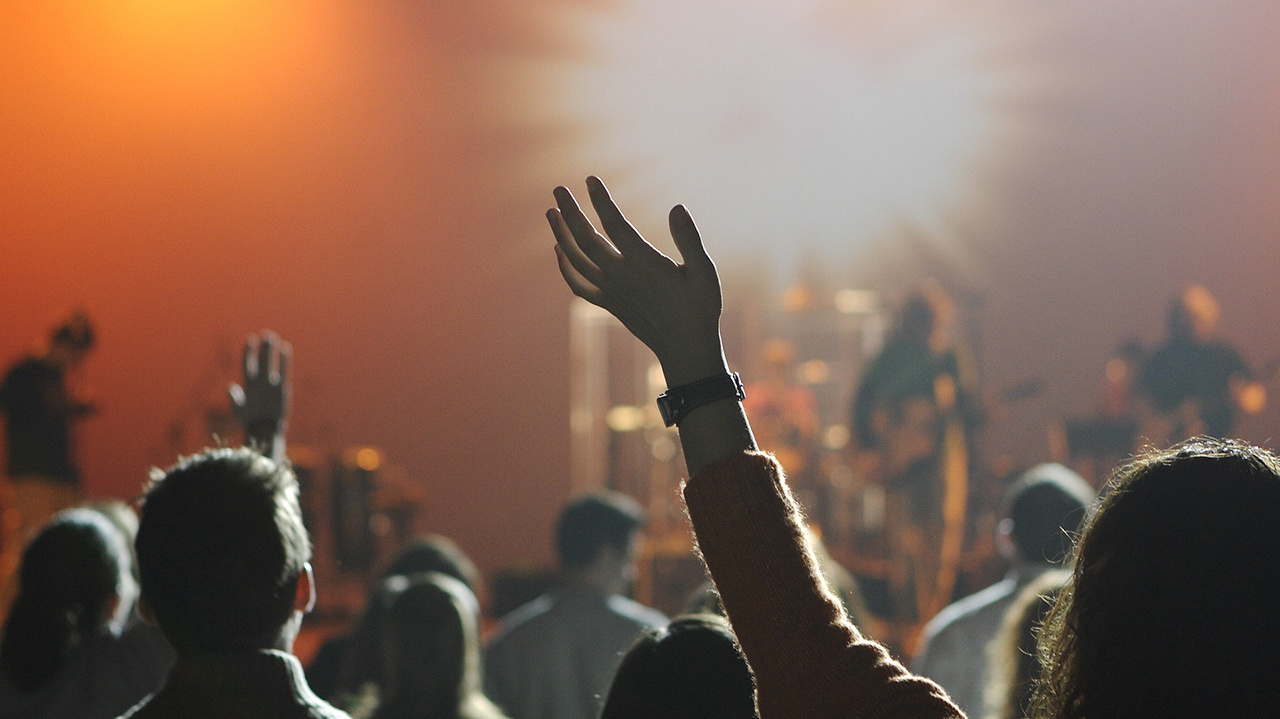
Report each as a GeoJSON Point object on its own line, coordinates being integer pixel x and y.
{"type": "Point", "coordinates": [1004, 540]}
{"type": "Point", "coordinates": [144, 610]}
{"type": "Point", "coordinates": [304, 599]}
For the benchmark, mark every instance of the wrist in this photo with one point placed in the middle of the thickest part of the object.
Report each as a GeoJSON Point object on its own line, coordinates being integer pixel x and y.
{"type": "Point", "coordinates": [689, 367]}
{"type": "Point", "coordinates": [263, 431]}
{"type": "Point", "coordinates": [676, 403]}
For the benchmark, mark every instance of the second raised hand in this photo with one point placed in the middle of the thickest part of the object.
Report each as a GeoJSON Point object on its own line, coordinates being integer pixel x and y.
{"type": "Point", "coordinates": [674, 308]}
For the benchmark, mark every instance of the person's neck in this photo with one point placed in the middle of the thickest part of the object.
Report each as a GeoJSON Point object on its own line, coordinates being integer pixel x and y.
{"type": "Point", "coordinates": [599, 580]}
{"type": "Point", "coordinates": [282, 643]}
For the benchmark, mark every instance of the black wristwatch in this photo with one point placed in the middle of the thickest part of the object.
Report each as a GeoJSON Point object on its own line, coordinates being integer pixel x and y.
{"type": "Point", "coordinates": [677, 402]}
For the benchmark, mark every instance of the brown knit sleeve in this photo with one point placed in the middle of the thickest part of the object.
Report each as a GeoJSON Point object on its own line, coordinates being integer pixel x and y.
{"type": "Point", "coordinates": [808, 658]}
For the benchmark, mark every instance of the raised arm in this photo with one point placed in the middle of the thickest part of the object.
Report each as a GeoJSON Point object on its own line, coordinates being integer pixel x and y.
{"type": "Point", "coordinates": [261, 403]}
{"type": "Point", "coordinates": [808, 659]}
{"type": "Point", "coordinates": [673, 308]}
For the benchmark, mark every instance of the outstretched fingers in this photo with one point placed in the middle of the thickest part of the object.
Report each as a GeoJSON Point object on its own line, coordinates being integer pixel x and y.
{"type": "Point", "coordinates": [579, 284]}
{"type": "Point", "coordinates": [593, 244]}
{"type": "Point", "coordinates": [249, 365]}
{"type": "Point", "coordinates": [284, 356]}
{"type": "Point", "coordinates": [616, 226]}
{"type": "Point", "coordinates": [268, 357]}
{"type": "Point", "coordinates": [689, 242]}
{"type": "Point", "coordinates": [571, 250]}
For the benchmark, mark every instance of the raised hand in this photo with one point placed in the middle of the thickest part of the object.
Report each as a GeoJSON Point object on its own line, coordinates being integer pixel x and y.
{"type": "Point", "coordinates": [673, 308]}
{"type": "Point", "coordinates": [261, 403]}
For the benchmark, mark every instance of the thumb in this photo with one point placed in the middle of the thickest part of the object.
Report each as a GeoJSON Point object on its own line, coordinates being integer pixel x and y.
{"type": "Point", "coordinates": [689, 242]}
{"type": "Point", "coordinates": [236, 393]}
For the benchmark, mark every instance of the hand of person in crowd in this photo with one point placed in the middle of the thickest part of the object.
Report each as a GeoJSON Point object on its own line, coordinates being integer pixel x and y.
{"type": "Point", "coordinates": [261, 403]}
{"type": "Point", "coordinates": [673, 308]}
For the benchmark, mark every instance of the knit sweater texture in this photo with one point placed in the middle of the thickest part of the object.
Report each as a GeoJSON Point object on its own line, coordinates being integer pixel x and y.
{"type": "Point", "coordinates": [808, 659]}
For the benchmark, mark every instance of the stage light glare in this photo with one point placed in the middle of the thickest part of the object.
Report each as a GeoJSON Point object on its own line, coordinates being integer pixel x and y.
{"type": "Point", "coordinates": [855, 302]}
{"type": "Point", "coordinates": [194, 45]}
{"type": "Point", "coordinates": [814, 372]}
{"type": "Point", "coordinates": [368, 459]}
{"type": "Point", "coordinates": [797, 298]}
{"type": "Point", "coordinates": [779, 129]}
{"type": "Point", "coordinates": [836, 437]}
{"type": "Point", "coordinates": [625, 418]}
{"type": "Point", "coordinates": [1117, 370]}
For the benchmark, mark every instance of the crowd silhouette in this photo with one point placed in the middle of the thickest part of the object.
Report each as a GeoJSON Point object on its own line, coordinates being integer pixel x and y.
{"type": "Point", "coordinates": [1154, 599]}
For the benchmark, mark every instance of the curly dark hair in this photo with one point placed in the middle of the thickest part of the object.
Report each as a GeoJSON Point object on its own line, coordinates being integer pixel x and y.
{"type": "Point", "coordinates": [1171, 608]}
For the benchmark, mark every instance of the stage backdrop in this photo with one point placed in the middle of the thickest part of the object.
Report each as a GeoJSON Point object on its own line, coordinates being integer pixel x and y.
{"type": "Point", "coordinates": [368, 179]}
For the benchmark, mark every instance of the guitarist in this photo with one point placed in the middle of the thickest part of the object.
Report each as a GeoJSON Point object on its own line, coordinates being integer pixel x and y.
{"type": "Point", "coordinates": [913, 414]}
{"type": "Point", "coordinates": [1192, 384]}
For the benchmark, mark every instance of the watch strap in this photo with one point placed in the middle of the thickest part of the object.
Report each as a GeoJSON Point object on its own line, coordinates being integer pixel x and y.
{"type": "Point", "coordinates": [677, 402]}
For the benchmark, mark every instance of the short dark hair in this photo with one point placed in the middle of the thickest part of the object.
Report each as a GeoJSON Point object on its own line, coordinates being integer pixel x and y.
{"type": "Point", "coordinates": [430, 650]}
{"type": "Point", "coordinates": [220, 547]}
{"type": "Point", "coordinates": [692, 669]}
{"type": "Point", "coordinates": [76, 332]}
{"type": "Point", "coordinates": [1046, 504]}
{"type": "Point", "coordinates": [434, 553]}
{"type": "Point", "coordinates": [593, 521]}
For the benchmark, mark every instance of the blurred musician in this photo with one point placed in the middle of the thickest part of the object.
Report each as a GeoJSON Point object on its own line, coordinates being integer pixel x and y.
{"type": "Point", "coordinates": [40, 410]}
{"type": "Point", "coordinates": [1193, 384]}
{"type": "Point", "coordinates": [913, 416]}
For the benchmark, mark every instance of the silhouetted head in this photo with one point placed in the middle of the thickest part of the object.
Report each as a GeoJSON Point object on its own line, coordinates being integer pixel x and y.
{"type": "Point", "coordinates": [430, 650]}
{"type": "Point", "coordinates": [1194, 315]}
{"type": "Point", "coordinates": [690, 670]}
{"type": "Point", "coordinates": [1171, 610]}
{"type": "Point", "coordinates": [222, 552]}
{"type": "Point", "coordinates": [434, 553]}
{"type": "Point", "coordinates": [71, 340]}
{"type": "Point", "coordinates": [596, 524]}
{"type": "Point", "coordinates": [75, 580]}
{"type": "Point", "coordinates": [926, 317]}
{"type": "Point", "coordinates": [1043, 510]}
{"type": "Point", "coordinates": [125, 519]}
{"type": "Point", "coordinates": [916, 323]}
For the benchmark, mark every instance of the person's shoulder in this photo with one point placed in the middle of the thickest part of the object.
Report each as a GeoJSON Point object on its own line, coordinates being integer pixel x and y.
{"type": "Point", "coordinates": [24, 370]}
{"type": "Point", "coordinates": [321, 709]}
{"type": "Point", "coordinates": [1163, 356]}
{"type": "Point", "coordinates": [139, 710]}
{"type": "Point", "coordinates": [637, 613]}
{"type": "Point", "coordinates": [968, 609]}
{"type": "Point", "coordinates": [522, 620]}
{"type": "Point", "coordinates": [1224, 353]}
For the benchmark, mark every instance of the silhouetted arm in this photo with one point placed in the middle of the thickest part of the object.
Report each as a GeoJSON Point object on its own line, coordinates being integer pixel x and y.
{"type": "Point", "coordinates": [673, 308]}
{"type": "Point", "coordinates": [261, 403]}
{"type": "Point", "coordinates": [808, 658]}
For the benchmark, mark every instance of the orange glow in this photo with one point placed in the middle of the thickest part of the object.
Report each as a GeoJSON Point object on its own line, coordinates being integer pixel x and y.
{"type": "Point", "coordinates": [1117, 370]}
{"type": "Point", "coordinates": [151, 61]}
{"type": "Point", "coordinates": [191, 30]}
{"type": "Point", "coordinates": [368, 459]}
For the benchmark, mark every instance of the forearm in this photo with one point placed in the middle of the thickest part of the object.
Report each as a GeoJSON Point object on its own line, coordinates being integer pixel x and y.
{"type": "Point", "coordinates": [267, 437]}
{"type": "Point", "coordinates": [715, 430]}
{"type": "Point", "coordinates": [808, 659]}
